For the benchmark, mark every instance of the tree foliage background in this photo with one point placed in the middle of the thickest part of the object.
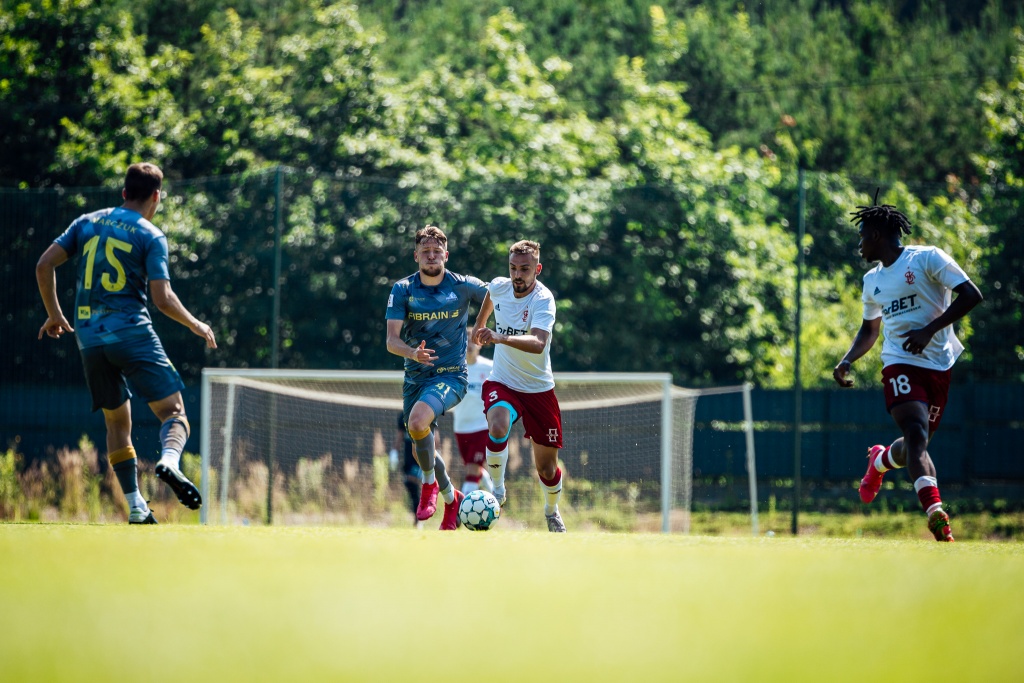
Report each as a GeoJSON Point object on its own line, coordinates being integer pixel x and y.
{"type": "Point", "coordinates": [651, 148]}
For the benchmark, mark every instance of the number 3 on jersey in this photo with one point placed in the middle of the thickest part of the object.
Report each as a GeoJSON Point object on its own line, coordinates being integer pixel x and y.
{"type": "Point", "coordinates": [900, 385]}
{"type": "Point", "coordinates": [89, 252]}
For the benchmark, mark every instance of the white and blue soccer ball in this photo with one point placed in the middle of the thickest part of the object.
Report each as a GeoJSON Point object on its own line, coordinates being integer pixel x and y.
{"type": "Point", "coordinates": [479, 510]}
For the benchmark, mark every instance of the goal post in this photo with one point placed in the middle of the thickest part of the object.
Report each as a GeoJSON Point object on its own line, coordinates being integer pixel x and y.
{"type": "Point", "coordinates": [310, 447]}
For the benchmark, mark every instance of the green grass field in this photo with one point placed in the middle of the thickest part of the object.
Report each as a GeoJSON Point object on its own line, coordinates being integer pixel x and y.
{"type": "Point", "coordinates": [188, 603]}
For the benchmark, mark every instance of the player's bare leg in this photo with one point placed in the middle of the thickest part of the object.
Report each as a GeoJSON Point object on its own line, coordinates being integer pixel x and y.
{"type": "Point", "coordinates": [122, 458]}
{"type": "Point", "coordinates": [912, 418]}
{"type": "Point", "coordinates": [546, 460]}
{"type": "Point", "coordinates": [174, 432]}
{"type": "Point", "coordinates": [499, 426]}
{"type": "Point", "coordinates": [476, 478]}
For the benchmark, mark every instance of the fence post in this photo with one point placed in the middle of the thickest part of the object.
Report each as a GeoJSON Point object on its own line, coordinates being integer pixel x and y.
{"type": "Point", "coordinates": [797, 383]}
{"type": "Point", "coordinates": [275, 331]}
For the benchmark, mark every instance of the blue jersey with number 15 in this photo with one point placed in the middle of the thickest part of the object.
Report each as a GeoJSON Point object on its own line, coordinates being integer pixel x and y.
{"type": "Point", "coordinates": [119, 252]}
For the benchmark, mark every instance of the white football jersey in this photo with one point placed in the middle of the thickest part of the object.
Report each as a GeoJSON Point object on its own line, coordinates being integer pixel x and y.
{"type": "Point", "coordinates": [469, 414]}
{"type": "Point", "coordinates": [909, 294]}
{"type": "Point", "coordinates": [519, 370]}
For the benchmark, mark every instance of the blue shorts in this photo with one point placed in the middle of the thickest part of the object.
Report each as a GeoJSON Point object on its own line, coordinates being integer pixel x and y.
{"type": "Point", "coordinates": [140, 361]}
{"type": "Point", "coordinates": [441, 394]}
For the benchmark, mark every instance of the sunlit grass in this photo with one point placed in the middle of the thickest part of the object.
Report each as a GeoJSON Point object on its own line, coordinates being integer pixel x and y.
{"type": "Point", "coordinates": [102, 602]}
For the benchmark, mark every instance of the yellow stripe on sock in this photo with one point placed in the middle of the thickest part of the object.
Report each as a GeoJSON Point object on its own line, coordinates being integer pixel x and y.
{"type": "Point", "coordinates": [416, 436]}
{"type": "Point", "coordinates": [121, 455]}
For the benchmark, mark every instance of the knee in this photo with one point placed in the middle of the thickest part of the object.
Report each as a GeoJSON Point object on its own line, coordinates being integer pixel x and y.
{"type": "Point", "coordinates": [547, 470]}
{"type": "Point", "coordinates": [915, 436]}
{"type": "Point", "coordinates": [497, 426]}
{"type": "Point", "coordinates": [418, 426]}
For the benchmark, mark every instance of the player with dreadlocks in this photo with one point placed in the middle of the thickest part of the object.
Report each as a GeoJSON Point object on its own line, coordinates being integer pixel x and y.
{"type": "Point", "coordinates": [910, 288]}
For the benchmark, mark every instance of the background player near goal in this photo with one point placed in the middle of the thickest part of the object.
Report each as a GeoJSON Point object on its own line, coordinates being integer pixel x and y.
{"type": "Point", "coordinates": [471, 422]}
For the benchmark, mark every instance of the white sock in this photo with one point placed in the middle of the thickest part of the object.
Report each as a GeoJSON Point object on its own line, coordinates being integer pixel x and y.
{"type": "Point", "coordinates": [428, 477]}
{"type": "Point", "coordinates": [880, 465]}
{"type": "Point", "coordinates": [551, 496]}
{"type": "Point", "coordinates": [923, 482]}
{"type": "Point", "coordinates": [135, 500]}
{"type": "Point", "coordinates": [469, 486]}
{"type": "Point", "coordinates": [448, 493]}
{"type": "Point", "coordinates": [485, 481]}
{"type": "Point", "coordinates": [496, 464]}
{"type": "Point", "coordinates": [170, 457]}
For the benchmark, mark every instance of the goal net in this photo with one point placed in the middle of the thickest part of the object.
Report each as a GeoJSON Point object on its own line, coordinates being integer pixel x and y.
{"type": "Point", "coordinates": [311, 447]}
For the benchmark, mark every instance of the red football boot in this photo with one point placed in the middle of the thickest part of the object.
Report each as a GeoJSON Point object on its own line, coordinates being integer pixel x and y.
{"type": "Point", "coordinates": [428, 502]}
{"type": "Point", "coordinates": [872, 480]}
{"type": "Point", "coordinates": [938, 524]}
{"type": "Point", "coordinates": [451, 521]}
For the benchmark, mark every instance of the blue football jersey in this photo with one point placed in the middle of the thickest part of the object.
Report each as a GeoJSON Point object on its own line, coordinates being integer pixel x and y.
{"type": "Point", "coordinates": [119, 252]}
{"type": "Point", "coordinates": [437, 315]}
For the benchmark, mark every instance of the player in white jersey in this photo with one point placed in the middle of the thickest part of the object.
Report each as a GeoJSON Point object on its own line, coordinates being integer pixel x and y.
{"type": "Point", "coordinates": [521, 384]}
{"type": "Point", "coordinates": [471, 422]}
{"type": "Point", "coordinates": [910, 289]}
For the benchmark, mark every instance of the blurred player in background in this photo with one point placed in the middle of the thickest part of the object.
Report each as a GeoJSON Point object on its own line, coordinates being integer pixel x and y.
{"type": "Point", "coordinates": [521, 383]}
{"type": "Point", "coordinates": [426, 324]}
{"type": "Point", "coordinates": [401, 455]}
{"type": "Point", "coordinates": [121, 251]}
{"type": "Point", "coordinates": [910, 289]}
{"type": "Point", "coordinates": [471, 422]}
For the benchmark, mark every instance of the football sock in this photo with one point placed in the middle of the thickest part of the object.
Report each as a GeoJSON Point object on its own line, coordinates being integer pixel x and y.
{"type": "Point", "coordinates": [126, 467]}
{"type": "Point", "coordinates": [884, 462]}
{"type": "Point", "coordinates": [497, 461]}
{"type": "Point", "coordinates": [928, 493]}
{"type": "Point", "coordinates": [173, 434]}
{"type": "Point", "coordinates": [444, 483]}
{"type": "Point", "coordinates": [423, 449]}
{"type": "Point", "coordinates": [552, 492]}
{"type": "Point", "coordinates": [485, 481]}
{"type": "Point", "coordinates": [472, 483]}
{"type": "Point", "coordinates": [135, 500]}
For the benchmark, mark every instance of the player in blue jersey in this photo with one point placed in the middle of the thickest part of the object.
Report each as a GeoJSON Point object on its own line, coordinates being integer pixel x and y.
{"type": "Point", "coordinates": [426, 324]}
{"type": "Point", "coordinates": [120, 253]}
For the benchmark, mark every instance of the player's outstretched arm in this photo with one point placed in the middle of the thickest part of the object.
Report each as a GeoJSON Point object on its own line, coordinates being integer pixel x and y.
{"type": "Point", "coordinates": [862, 343]}
{"type": "Point", "coordinates": [170, 305]}
{"type": "Point", "coordinates": [46, 278]}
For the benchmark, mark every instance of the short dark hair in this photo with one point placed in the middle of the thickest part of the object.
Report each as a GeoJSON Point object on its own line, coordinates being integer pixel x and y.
{"type": "Point", "coordinates": [525, 247]}
{"type": "Point", "coordinates": [142, 180]}
{"type": "Point", "coordinates": [884, 218]}
{"type": "Point", "coordinates": [432, 232]}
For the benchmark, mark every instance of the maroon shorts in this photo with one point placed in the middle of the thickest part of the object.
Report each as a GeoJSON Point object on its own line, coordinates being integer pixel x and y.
{"type": "Point", "coordinates": [542, 419]}
{"type": "Point", "coordinates": [904, 383]}
{"type": "Point", "coordinates": [473, 447]}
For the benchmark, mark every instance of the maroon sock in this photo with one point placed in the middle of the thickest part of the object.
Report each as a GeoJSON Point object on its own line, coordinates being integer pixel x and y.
{"type": "Point", "coordinates": [929, 496]}
{"type": "Point", "coordinates": [554, 480]}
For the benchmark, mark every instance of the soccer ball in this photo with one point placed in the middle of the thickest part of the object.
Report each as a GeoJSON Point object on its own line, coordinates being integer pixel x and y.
{"type": "Point", "coordinates": [479, 510]}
